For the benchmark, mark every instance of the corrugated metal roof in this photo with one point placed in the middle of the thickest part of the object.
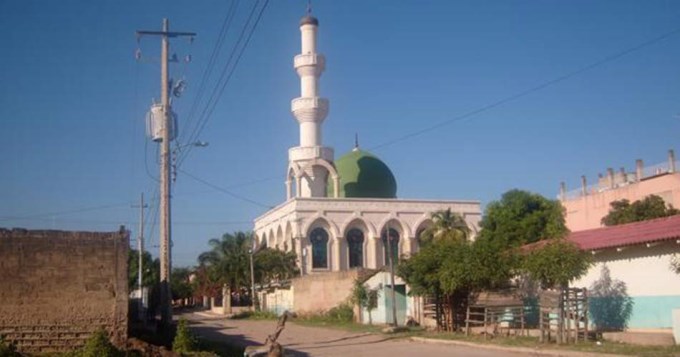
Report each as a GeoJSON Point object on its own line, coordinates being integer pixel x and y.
{"type": "Point", "coordinates": [650, 231]}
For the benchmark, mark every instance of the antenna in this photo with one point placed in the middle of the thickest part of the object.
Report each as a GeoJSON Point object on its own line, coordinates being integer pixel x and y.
{"type": "Point", "coordinates": [309, 7]}
{"type": "Point", "coordinates": [356, 141]}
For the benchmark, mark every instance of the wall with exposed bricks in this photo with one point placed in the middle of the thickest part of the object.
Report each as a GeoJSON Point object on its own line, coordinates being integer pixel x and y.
{"type": "Point", "coordinates": [57, 287]}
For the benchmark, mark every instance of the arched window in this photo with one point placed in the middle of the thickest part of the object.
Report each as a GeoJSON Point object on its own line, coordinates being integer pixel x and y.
{"type": "Point", "coordinates": [355, 247]}
{"type": "Point", "coordinates": [394, 245]}
{"type": "Point", "coordinates": [419, 238]}
{"type": "Point", "coordinates": [319, 239]}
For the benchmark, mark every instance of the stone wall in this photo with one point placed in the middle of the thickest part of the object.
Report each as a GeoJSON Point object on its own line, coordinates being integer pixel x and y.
{"type": "Point", "coordinates": [57, 287]}
{"type": "Point", "coordinates": [322, 291]}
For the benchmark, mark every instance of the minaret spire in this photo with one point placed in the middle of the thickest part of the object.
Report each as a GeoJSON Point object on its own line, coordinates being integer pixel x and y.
{"type": "Point", "coordinates": [356, 142]}
{"type": "Point", "coordinates": [312, 159]}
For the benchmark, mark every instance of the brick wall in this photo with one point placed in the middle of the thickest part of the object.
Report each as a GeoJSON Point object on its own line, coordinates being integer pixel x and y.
{"type": "Point", "coordinates": [57, 287]}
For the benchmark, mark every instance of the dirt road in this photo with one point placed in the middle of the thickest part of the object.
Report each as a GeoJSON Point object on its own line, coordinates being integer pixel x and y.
{"type": "Point", "coordinates": [314, 341]}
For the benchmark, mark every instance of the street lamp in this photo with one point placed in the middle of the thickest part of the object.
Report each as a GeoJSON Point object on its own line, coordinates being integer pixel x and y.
{"type": "Point", "coordinates": [178, 149]}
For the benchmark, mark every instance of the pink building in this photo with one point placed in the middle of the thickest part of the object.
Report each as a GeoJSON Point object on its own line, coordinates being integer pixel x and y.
{"type": "Point", "coordinates": [586, 206]}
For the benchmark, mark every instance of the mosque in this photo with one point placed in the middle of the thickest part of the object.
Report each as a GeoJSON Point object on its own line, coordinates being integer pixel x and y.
{"type": "Point", "coordinates": [337, 212]}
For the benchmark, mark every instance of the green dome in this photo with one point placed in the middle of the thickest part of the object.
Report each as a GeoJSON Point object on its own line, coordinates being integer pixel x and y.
{"type": "Point", "coordinates": [364, 175]}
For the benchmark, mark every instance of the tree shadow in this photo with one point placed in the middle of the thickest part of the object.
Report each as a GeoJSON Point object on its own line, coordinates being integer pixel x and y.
{"type": "Point", "coordinates": [216, 334]}
{"type": "Point", "coordinates": [609, 305]}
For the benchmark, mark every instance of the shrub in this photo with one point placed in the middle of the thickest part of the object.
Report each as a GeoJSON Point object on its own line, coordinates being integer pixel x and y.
{"type": "Point", "coordinates": [7, 349]}
{"type": "Point", "coordinates": [341, 313]}
{"type": "Point", "coordinates": [255, 315]}
{"type": "Point", "coordinates": [184, 341]}
{"type": "Point", "coordinates": [98, 345]}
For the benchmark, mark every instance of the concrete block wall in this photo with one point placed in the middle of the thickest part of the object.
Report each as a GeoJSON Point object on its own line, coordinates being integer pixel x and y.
{"type": "Point", "coordinates": [57, 287]}
{"type": "Point", "coordinates": [322, 291]}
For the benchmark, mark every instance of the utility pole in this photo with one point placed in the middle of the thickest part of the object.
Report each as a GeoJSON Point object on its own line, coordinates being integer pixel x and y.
{"type": "Point", "coordinates": [140, 249]}
{"type": "Point", "coordinates": [165, 226]}
{"type": "Point", "coordinates": [388, 241]}
{"type": "Point", "coordinates": [252, 275]}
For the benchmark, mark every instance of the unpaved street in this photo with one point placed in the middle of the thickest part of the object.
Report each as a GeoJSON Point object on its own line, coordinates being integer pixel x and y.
{"type": "Point", "coordinates": [313, 341]}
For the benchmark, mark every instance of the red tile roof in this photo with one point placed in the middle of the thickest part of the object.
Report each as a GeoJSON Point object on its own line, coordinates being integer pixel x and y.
{"type": "Point", "coordinates": [650, 231]}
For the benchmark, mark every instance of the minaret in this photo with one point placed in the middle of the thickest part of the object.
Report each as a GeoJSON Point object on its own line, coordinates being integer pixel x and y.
{"type": "Point", "coordinates": [311, 161]}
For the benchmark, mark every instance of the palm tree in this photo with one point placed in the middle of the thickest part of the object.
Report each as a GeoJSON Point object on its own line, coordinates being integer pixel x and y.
{"type": "Point", "coordinates": [446, 225]}
{"type": "Point", "coordinates": [228, 260]}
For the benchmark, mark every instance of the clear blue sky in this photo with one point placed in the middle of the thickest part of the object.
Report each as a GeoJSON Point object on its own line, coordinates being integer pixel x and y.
{"type": "Point", "coordinates": [73, 101]}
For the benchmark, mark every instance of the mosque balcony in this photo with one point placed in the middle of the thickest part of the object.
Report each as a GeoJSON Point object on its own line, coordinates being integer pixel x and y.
{"type": "Point", "coordinates": [309, 64]}
{"type": "Point", "coordinates": [302, 153]}
{"type": "Point", "coordinates": [309, 108]}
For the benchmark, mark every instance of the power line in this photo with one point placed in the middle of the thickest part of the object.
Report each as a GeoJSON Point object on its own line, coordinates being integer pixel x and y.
{"type": "Point", "coordinates": [425, 130]}
{"type": "Point", "coordinates": [226, 25]}
{"type": "Point", "coordinates": [223, 190]}
{"type": "Point", "coordinates": [506, 100]}
{"type": "Point", "coordinates": [152, 227]}
{"type": "Point", "coordinates": [217, 93]}
{"type": "Point", "coordinates": [59, 213]}
{"type": "Point", "coordinates": [531, 90]}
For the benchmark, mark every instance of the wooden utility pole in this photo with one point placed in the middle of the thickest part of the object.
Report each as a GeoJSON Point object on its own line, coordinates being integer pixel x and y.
{"type": "Point", "coordinates": [165, 226]}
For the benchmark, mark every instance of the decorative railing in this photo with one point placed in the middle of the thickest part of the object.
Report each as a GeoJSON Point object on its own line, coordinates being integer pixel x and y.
{"type": "Point", "coordinates": [603, 184]}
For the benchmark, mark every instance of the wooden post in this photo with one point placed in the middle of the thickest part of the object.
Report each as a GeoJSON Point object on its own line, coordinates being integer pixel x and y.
{"type": "Point", "coordinates": [585, 314]}
{"type": "Point", "coordinates": [541, 324]}
{"type": "Point", "coordinates": [577, 314]}
{"type": "Point", "coordinates": [485, 319]}
{"type": "Point", "coordinates": [467, 322]}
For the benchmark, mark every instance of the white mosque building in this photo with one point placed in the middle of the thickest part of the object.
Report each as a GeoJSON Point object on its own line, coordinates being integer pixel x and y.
{"type": "Point", "coordinates": [337, 212]}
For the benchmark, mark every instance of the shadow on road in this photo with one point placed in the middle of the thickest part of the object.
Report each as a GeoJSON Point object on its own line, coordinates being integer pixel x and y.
{"type": "Point", "coordinates": [216, 333]}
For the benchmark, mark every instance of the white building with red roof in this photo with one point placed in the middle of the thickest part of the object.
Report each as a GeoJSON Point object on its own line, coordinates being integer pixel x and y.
{"type": "Point", "coordinates": [638, 254]}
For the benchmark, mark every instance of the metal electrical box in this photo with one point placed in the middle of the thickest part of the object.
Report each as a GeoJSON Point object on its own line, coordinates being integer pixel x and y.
{"type": "Point", "coordinates": [154, 123]}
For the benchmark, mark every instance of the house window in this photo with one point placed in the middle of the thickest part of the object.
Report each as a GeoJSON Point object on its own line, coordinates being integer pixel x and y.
{"type": "Point", "coordinates": [394, 245]}
{"type": "Point", "coordinates": [319, 239]}
{"type": "Point", "coordinates": [355, 246]}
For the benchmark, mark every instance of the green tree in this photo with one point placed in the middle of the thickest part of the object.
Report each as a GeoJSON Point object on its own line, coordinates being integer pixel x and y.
{"type": "Point", "coordinates": [206, 282]}
{"type": "Point", "coordinates": [522, 217]}
{"type": "Point", "coordinates": [228, 259]}
{"type": "Point", "coordinates": [365, 298]}
{"type": "Point", "coordinates": [274, 265]}
{"type": "Point", "coordinates": [650, 207]}
{"type": "Point", "coordinates": [451, 269]}
{"type": "Point", "coordinates": [179, 283]}
{"type": "Point", "coordinates": [556, 263]}
{"type": "Point", "coordinates": [228, 262]}
{"type": "Point", "coordinates": [446, 225]}
{"type": "Point", "coordinates": [151, 273]}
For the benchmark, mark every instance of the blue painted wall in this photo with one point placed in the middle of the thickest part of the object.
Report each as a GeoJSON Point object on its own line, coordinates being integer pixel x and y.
{"type": "Point", "coordinates": [653, 311]}
{"type": "Point", "coordinates": [648, 311]}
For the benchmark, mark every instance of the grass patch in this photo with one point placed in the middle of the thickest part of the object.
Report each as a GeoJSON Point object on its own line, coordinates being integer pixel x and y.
{"type": "Point", "coordinates": [339, 317]}
{"type": "Point", "coordinates": [347, 326]}
{"type": "Point", "coordinates": [255, 315]}
{"type": "Point", "coordinates": [532, 342]}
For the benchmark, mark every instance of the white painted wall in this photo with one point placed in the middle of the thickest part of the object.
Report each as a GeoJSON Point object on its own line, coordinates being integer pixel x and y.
{"type": "Point", "coordinates": [645, 270]}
